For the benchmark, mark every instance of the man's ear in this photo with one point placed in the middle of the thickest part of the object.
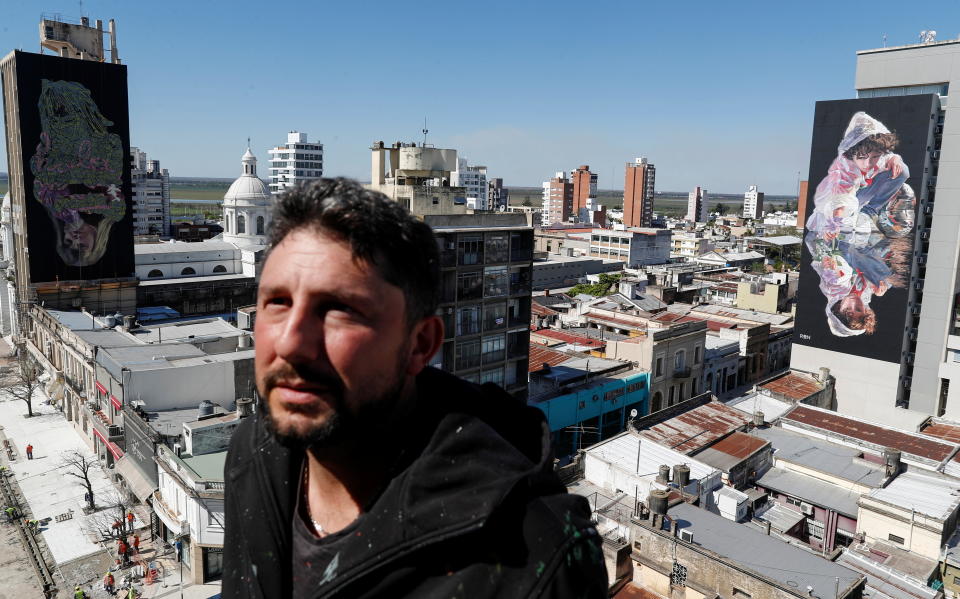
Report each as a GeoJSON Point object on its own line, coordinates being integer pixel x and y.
{"type": "Point", "coordinates": [426, 337]}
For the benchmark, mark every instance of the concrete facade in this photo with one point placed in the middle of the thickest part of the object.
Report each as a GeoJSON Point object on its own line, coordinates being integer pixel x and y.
{"type": "Point", "coordinates": [639, 185]}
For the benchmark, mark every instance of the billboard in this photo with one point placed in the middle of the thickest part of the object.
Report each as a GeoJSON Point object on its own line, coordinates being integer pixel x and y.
{"type": "Point", "coordinates": [75, 148]}
{"type": "Point", "coordinates": [867, 164]}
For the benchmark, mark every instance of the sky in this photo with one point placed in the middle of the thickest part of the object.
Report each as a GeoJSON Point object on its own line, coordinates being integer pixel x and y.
{"type": "Point", "coordinates": [719, 95]}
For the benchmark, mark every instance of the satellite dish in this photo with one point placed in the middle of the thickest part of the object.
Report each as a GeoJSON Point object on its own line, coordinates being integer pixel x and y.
{"type": "Point", "coordinates": [633, 413]}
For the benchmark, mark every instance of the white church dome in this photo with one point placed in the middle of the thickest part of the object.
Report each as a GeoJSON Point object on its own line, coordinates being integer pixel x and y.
{"type": "Point", "coordinates": [248, 188]}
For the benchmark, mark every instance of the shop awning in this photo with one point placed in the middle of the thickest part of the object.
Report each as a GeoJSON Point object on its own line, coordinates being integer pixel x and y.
{"type": "Point", "coordinates": [136, 480]}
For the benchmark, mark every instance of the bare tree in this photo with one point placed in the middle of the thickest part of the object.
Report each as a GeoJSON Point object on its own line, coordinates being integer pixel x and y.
{"type": "Point", "coordinates": [110, 523]}
{"type": "Point", "coordinates": [25, 379]}
{"type": "Point", "coordinates": [80, 466]}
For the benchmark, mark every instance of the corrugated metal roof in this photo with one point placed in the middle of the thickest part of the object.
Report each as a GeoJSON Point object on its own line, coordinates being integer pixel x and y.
{"type": "Point", "coordinates": [780, 517]}
{"type": "Point", "coordinates": [540, 355]}
{"type": "Point", "coordinates": [822, 456]}
{"type": "Point", "coordinates": [793, 385]}
{"type": "Point", "coordinates": [697, 428]}
{"type": "Point", "coordinates": [909, 443]}
{"type": "Point", "coordinates": [884, 582]}
{"type": "Point", "coordinates": [929, 495]}
{"type": "Point", "coordinates": [763, 554]}
{"type": "Point", "coordinates": [568, 337]}
{"type": "Point", "coordinates": [739, 445]}
{"type": "Point", "coordinates": [811, 490]}
{"type": "Point", "coordinates": [644, 456]}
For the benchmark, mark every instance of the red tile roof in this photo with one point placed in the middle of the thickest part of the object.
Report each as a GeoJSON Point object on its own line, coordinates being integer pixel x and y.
{"type": "Point", "coordinates": [697, 428]}
{"type": "Point", "coordinates": [739, 445]}
{"type": "Point", "coordinates": [540, 355]}
{"type": "Point", "coordinates": [565, 337]}
{"type": "Point", "coordinates": [793, 385]}
{"type": "Point", "coordinates": [911, 443]}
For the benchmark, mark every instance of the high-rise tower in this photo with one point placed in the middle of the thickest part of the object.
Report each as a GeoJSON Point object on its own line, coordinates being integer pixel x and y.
{"type": "Point", "coordinates": [638, 189]}
{"type": "Point", "coordinates": [295, 163]}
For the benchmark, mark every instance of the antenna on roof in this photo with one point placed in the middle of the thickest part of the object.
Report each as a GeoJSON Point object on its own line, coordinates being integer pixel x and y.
{"type": "Point", "coordinates": [425, 131]}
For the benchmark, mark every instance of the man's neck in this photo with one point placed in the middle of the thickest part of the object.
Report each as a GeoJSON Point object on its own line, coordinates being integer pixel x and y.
{"type": "Point", "coordinates": [342, 481]}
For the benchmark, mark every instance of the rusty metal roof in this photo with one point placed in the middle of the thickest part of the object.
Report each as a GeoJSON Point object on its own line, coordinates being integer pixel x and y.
{"type": "Point", "coordinates": [909, 443]}
{"type": "Point", "coordinates": [739, 445]}
{"type": "Point", "coordinates": [941, 430]}
{"type": "Point", "coordinates": [634, 591]}
{"type": "Point", "coordinates": [539, 310]}
{"type": "Point", "coordinates": [540, 355]}
{"type": "Point", "coordinates": [698, 428]}
{"type": "Point", "coordinates": [569, 337]}
{"type": "Point", "coordinates": [793, 385]}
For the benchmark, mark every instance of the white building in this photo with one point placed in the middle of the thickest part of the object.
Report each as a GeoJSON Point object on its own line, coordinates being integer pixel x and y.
{"type": "Point", "coordinates": [474, 180]}
{"type": "Point", "coordinates": [295, 163]}
{"type": "Point", "coordinates": [8, 291]}
{"type": "Point", "coordinates": [246, 207]}
{"type": "Point", "coordinates": [151, 195]}
{"type": "Point", "coordinates": [753, 203]}
{"type": "Point", "coordinates": [697, 205]}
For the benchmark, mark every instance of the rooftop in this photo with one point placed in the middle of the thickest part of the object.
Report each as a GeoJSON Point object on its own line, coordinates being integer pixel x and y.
{"type": "Point", "coordinates": [883, 582]}
{"type": "Point", "coordinates": [759, 402]}
{"type": "Point", "coordinates": [873, 435]}
{"type": "Point", "coordinates": [208, 466]}
{"type": "Point", "coordinates": [811, 490]}
{"type": "Point", "coordinates": [739, 445]}
{"type": "Point", "coordinates": [568, 338]}
{"type": "Point", "coordinates": [763, 554]}
{"type": "Point", "coordinates": [780, 517]}
{"type": "Point", "coordinates": [794, 385]}
{"type": "Point", "coordinates": [932, 496]}
{"type": "Point", "coordinates": [183, 246]}
{"type": "Point", "coordinates": [637, 454]}
{"type": "Point", "coordinates": [822, 456]}
{"type": "Point", "coordinates": [188, 329]}
{"type": "Point", "coordinates": [741, 314]}
{"type": "Point", "coordinates": [778, 240]}
{"type": "Point", "coordinates": [540, 355]}
{"type": "Point", "coordinates": [697, 428]}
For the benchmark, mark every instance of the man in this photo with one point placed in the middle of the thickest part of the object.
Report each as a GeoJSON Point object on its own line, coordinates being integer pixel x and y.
{"type": "Point", "coordinates": [366, 473]}
{"type": "Point", "coordinates": [29, 451]}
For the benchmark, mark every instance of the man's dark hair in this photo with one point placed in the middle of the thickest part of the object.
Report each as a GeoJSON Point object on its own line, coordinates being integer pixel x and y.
{"type": "Point", "coordinates": [379, 231]}
{"type": "Point", "coordinates": [881, 142]}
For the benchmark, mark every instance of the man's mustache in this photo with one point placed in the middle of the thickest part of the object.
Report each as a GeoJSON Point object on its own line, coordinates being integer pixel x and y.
{"type": "Point", "coordinates": [290, 374]}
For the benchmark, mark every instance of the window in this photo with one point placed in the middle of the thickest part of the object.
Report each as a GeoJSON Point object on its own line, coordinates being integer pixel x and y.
{"type": "Point", "coordinates": [794, 501]}
{"type": "Point", "coordinates": [670, 393]}
{"type": "Point", "coordinates": [696, 354]}
{"type": "Point", "coordinates": [519, 280]}
{"type": "Point", "coordinates": [260, 225]}
{"type": "Point", "coordinates": [678, 360]}
{"type": "Point", "coordinates": [469, 285]}
{"type": "Point", "coordinates": [470, 249]}
{"type": "Point", "coordinates": [495, 281]}
{"type": "Point", "coordinates": [468, 354]}
{"type": "Point", "coordinates": [497, 247]}
{"type": "Point", "coordinates": [738, 594]}
{"type": "Point", "coordinates": [494, 349]}
{"type": "Point", "coordinates": [494, 375]}
{"type": "Point", "coordinates": [241, 225]}
{"type": "Point", "coordinates": [155, 273]}
{"type": "Point", "coordinates": [659, 368]}
{"type": "Point", "coordinates": [468, 320]}
{"type": "Point", "coordinates": [895, 539]}
{"type": "Point", "coordinates": [188, 271]}
{"type": "Point", "coordinates": [219, 268]}
{"type": "Point", "coordinates": [494, 316]}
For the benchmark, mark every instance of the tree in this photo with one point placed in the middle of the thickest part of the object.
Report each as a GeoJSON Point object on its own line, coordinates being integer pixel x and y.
{"type": "Point", "coordinates": [81, 466]}
{"type": "Point", "coordinates": [526, 202]}
{"type": "Point", "coordinates": [721, 209]}
{"type": "Point", "coordinates": [596, 289]}
{"type": "Point", "coordinates": [26, 378]}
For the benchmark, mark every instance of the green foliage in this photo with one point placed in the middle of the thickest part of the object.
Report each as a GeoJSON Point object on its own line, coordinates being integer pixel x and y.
{"type": "Point", "coordinates": [526, 202]}
{"type": "Point", "coordinates": [607, 281]}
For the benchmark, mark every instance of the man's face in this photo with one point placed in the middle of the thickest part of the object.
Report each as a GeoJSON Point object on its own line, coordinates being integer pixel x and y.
{"type": "Point", "coordinates": [867, 161]}
{"type": "Point", "coordinates": [853, 307]}
{"type": "Point", "coordinates": [332, 344]}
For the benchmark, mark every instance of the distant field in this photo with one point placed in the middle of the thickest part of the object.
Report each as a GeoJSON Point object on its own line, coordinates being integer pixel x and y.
{"type": "Point", "coordinates": [3, 187]}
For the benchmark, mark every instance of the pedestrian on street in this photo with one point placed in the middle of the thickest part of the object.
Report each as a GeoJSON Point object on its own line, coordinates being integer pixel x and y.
{"type": "Point", "coordinates": [108, 583]}
{"type": "Point", "coordinates": [122, 552]}
{"type": "Point", "coordinates": [29, 451]}
{"type": "Point", "coordinates": [116, 527]}
{"type": "Point", "coordinates": [78, 593]}
{"type": "Point", "coordinates": [130, 520]}
{"type": "Point", "coordinates": [33, 525]}
{"type": "Point", "coordinates": [11, 513]}
{"type": "Point", "coordinates": [136, 543]}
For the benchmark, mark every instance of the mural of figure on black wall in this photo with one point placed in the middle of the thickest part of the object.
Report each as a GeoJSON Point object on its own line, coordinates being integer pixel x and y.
{"type": "Point", "coordinates": [859, 232]}
{"type": "Point", "coordinates": [78, 171]}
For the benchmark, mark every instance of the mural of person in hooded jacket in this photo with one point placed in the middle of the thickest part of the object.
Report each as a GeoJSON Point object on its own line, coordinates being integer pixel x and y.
{"type": "Point", "coordinates": [78, 171]}
{"type": "Point", "coordinates": [858, 232]}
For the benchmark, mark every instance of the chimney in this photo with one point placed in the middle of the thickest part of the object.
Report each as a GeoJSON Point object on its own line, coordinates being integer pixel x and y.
{"type": "Point", "coordinates": [758, 418]}
{"type": "Point", "coordinates": [244, 407]}
{"type": "Point", "coordinates": [824, 374]}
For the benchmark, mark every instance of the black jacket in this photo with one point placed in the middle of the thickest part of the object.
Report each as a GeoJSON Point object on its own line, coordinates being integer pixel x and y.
{"type": "Point", "coordinates": [474, 510]}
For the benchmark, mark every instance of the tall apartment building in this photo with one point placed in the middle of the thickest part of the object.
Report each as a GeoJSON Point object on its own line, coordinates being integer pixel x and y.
{"type": "Point", "coordinates": [474, 180]}
{"type": "Point", "coordinates": [802, 204]}
{"type": "Point", "coordinates": [639, 181]}
{"type": "Point", "coordinates": [295, 163]}
{"type": "Point", "coordinates": [151, 195]}
{"type": "Point", "coordinates": [900, 370]}
{"type": "Point", "coordinates": [697, 205]}
{"type": "Point", "coordinates": [498, 196]}
{"type": "Point", "coordinates": [753, 203]}
{"type": "Point", "coordinates": [486, 263]}
{"type": "Point", "coordinates": [584, 189]}
{"type": "Point", "coordinates": [557, 200]}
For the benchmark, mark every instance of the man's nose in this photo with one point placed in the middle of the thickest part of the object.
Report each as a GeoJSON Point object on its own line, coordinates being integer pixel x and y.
{"type": "Point", "coordinates": [301, 337]}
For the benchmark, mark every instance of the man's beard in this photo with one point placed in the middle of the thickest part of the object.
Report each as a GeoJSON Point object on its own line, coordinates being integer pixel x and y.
{"type": "Point", "coordinates": [344, 420]}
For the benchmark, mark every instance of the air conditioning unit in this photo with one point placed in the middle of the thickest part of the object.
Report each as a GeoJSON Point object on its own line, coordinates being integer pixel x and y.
{"type": "Point", "coordinates": [686, 535]}
{"type": "Point", "coordinates": [806, 508]}
{"type": "Point", "coordinates": [177, 449]}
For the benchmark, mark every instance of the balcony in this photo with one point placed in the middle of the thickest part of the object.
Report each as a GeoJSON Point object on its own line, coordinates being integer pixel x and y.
{"type": "Point", "coordinates": [681, 373]}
